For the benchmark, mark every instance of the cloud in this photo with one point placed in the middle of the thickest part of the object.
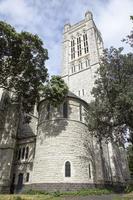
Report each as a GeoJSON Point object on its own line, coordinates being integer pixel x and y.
{"type": "Point", "coordinates": [47, 18]}
{"type": "Point", "coordinates": [114, 21]}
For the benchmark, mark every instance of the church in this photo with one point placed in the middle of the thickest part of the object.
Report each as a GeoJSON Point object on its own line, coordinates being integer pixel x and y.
{"type": "Point", "coordinates": [56, 151]}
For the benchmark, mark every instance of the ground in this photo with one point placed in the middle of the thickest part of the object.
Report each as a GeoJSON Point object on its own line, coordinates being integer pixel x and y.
{"type": "Point", "coordinates": [52, 197]}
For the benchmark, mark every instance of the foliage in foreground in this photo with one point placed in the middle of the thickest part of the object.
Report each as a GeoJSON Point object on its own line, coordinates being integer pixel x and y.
{"type": "Point", "coordinates": [22, 69]}
{"type": "Point", "coordinates": [112, 108]}
{"type": "Point", "coordinates": [130, 159]}
{"type": "Point", "coordinates": [22, 64]}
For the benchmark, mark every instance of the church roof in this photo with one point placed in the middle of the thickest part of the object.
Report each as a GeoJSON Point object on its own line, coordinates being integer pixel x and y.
{"type": "Point", "coordinates": [71, 94]}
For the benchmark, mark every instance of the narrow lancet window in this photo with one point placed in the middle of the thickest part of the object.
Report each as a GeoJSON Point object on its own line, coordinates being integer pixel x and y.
{"type": "Point", "coordinates": [27, 153]}
{"type": "Point", "coordinates": [72, 49]}
{"type": "Point", "coordinates": [65, 109]}
{"type": "Point", "coordinates": [67, 169]}
{"type": "Point", "coordinates": [48, 111]}
{"type": "Point", "coordinates": [23, 153]}
{"type": "Point", "coordinates": [79, 46]}
{"type": "Point", "coordinates": [90, 175]}
{"type": "Point", "coordinates": [85, 39]}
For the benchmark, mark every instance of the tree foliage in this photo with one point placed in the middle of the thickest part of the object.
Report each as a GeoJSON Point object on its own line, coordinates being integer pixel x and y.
{"type": "Point", "coordinates": [130, 158]}
{"type": "Point", "coordinates": [22, 68]}
{"type": "Point", "coordinates": [56, 90]}
{"type": "Point", "coordinates": [22, 64]}
{"type": "Point", "coordinates": [112, 108]}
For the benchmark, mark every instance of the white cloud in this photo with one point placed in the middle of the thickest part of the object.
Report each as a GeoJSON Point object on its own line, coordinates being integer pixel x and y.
{"type": "Point", "coordinates": [114, 21]}
{"type": "Point", "coordinates": [47, 18]}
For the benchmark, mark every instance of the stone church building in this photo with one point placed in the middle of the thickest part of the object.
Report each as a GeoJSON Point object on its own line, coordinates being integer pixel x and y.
{"type": "Point", "coordinates": [56, 151]}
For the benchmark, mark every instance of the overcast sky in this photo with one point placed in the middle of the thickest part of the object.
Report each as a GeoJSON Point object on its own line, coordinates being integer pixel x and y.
{"type": "Point", "coordinates": [47, 18]}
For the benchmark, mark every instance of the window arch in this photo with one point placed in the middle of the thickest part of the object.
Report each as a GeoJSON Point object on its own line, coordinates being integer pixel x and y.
{"type": "Point", "coordinates": [23, 153]}
{"type": "Point", "coordinates": [27, 153]}
{"type": "Point", "coordinates": [67, 169]}
{"type": "Point", "coordinates": [65, 109]}
{"type": "Point", "coordinates": [19, 154]}
{"type": "Point", "coordinates": [90, 170]}
{"type": "Point", "coordinates": [48, 111]}
{"type": "Point", "coordinates": [27, 177]}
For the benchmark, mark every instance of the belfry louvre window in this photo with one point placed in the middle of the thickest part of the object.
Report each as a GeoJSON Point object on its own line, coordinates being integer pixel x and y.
{"type": "Point", "coordinates": [67, 169]}
{"type": "Point", "coordinates": [79, 46]}
{"type": "Point", "coordinates": [86, 49]}
{"type": "Point", "coordinates": [65, 109]}
{"type": "Point", "coordinates": [72, 49]}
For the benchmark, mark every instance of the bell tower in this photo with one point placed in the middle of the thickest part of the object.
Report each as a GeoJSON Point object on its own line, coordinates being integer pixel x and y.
{"type": "Point", "coordinates": [82, 48]}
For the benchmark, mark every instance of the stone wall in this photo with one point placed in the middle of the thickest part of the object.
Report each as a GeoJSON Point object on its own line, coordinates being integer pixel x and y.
{"type": "Point", "coordinates": [60, 140]}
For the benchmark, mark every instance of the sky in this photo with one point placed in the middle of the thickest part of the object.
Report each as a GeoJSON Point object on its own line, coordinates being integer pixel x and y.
{"type": "Point", "coordinates": [47, 18]}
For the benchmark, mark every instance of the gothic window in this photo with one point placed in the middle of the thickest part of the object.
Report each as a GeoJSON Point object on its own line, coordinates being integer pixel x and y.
{"type": "Point", "coordinates": [80, 112]}
{"type": "Point", "coordinates": [19, 154]}
{"type": "Point", "coordinates": [90, 173]}
{"type": "Point", "coordinates": [79, 46]}
{"type": "Point", "coordinates": [73, 68]}
{"type": "Point", "coordinates": [72, 49]}
{"type": "Point", "coordinates": [48, 111]}
{"type": "Point", "coordinates": [65, 109]}
{"type": "Point", "coordinates": [27, 177]}
{"type": "Point", "coordinates": [80, 66]}
{"type": "Point", "coordinates": [85, 39]}
{"type": "Point", "coordinates": [27, 153]}
{"type": "Point", "coordinates": [4, 101]}
{"type": "Point", "coordinates": [87, 63]}
{"type": "Point", "coordinates": [20, 181]}
{"type": "Point", "coordinates": [79, 92]}
{"type": "Point", "coordinates": [23, 153]}
{"type": "Point", "coordinates": [67, 169]}
{"type": "Point", "coordinates": [83, 92]}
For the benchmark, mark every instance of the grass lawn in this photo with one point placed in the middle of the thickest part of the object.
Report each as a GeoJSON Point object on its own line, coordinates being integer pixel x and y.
{"type": "Point", "coordinates": [36, 195]}
{"type": "Point", "coordinates": [28, 197]}
{"type": "Point", "coordinates": [126, 197]}
{"type": "Point", "coordinates": [59, 196]}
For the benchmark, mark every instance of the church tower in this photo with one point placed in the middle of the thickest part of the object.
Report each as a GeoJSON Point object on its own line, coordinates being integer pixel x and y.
{"type": "Point", "coordinates": [82, 48]}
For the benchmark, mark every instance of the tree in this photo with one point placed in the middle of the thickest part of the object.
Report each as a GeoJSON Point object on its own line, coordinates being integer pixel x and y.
{"type": "Point", "coordinates": [130, 158]}
{"type": "Point", "coordinates": [55, 91]}
{"type": "Point", "coordinates": [22, 67]}
{"type": "Point", "coordinates": [22, 64]}
{"type": "Point", "coordinates": [112, 108]}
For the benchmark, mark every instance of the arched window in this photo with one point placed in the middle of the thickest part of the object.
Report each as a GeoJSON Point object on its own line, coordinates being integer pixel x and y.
{"type": "Point", "coordinates": [80, 112]}
{"type": "Point", "coordinates": [4, 101]}
{"type": "Point", "coordinates": [23, 153]}
{"type": "Point", "coordinates": [27, 153]}
{"type": "Point", "coordinates": [67, 169]}
{"type": "Point", "coordinates": [90, 171]}
{"type": "Point", "coordinates": [65, 109]}
{"type": "Point", "coordinates": [27, 177]}
{"type": "Point", "coordinates": [48, 111]}
{"type": "Point", "coordinates": [19, 154]}
{"type": "Point", "coordinates": [20, 181]}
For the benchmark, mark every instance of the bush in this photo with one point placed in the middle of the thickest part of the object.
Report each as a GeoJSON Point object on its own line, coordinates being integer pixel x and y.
{"type": "Point", "coordinates": [57, 194]}
{"type": "Point", "coordinates": [129, 188]}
